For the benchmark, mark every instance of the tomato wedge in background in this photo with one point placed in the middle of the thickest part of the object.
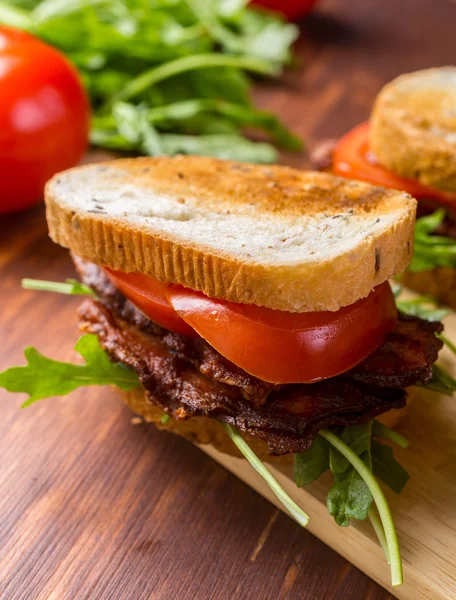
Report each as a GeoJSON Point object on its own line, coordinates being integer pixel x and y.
{"type": "Point", "coordinates": [353, 159]}
{"type": "Point", "coordinates": [292, 9]}
{"type": "Point", "coordinates": [282, 347]}
{"type": "Point", "coordinates": [44, 118]}
{"type": "Point", "coordinates": [149, 295]}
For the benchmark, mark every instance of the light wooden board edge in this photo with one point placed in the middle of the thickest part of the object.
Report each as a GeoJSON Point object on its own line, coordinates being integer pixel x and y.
{"type": "Point", "coordinates": [357, 544]}
{"type": "Point", "coordinates": [423, 511]}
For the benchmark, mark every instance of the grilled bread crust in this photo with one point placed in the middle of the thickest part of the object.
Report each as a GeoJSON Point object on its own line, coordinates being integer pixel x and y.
{"type": "Point", "coordinates": [413, 127]}
{"type": "Point", "coordinates": [265, 235]}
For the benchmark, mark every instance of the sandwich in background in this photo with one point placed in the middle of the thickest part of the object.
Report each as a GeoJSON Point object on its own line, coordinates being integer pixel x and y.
{"type": "Point", "coordinates": [410, 144]}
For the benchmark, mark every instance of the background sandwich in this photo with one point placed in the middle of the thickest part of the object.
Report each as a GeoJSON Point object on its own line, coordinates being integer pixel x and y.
{"type": "Point", "coordinates": [410, 144]}
{"type": "Point", "coordinates": [248, 307]}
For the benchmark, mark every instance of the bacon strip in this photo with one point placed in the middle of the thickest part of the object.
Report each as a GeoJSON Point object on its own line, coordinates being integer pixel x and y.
{"type": "Point", "coordinates": [405, 358]}
{"type": "Point", "coordinates": [288, 421]}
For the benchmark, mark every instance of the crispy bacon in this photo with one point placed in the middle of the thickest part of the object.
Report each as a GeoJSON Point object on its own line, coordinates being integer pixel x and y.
{"type": "Point", "coordinates": [405, 358]}
{"type": "Point", "coordinates": [187, 377]}
{"type": "Point", "coordinates": [288, 421]}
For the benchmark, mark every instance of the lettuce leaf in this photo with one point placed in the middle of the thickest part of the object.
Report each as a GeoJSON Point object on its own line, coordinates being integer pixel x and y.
{"type": "Point", "coordinates": [44, 377]}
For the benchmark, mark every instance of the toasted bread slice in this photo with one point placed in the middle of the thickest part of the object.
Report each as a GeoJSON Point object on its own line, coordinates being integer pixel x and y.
{"type": "Point", "coordinates": [413, 127]}
{"type": "Point", "coordinates": [270, 236]}
{"type": "Point", "coordinates": [204, 430]}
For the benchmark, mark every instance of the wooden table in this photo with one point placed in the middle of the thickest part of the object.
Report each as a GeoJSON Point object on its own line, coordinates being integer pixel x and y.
{"type": "Point", "coordinates": [94, 507]}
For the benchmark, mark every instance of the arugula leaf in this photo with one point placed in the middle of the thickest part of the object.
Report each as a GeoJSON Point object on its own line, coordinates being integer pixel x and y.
{"type": "Point", "coordinates": [419, 307]}
{"type": "Point", "coordinates": [44, 377]}
{"type": "Point", "coordinates": [71, 287]}
{"type": "Point", "coordinates": [301, 517]}
{"type": "Point", "coordinates": [349, 497]}
{"type": "Point", "coordinates": [394, 555]}
{"type": "Point", "coordinates": [382, 431]}
{"type": "Point", "coordinates": [441, 382]}
{"type": "Point", "coordinates": [432, 250]}
{"type": "Point", "coordinates": [233, 147]}
{"type": "Point", "coordinates": [448, 343]}
{"type": "Point", "coordinates": [131, 127]}
{"type": "Point", "coordinates": [358, 438]}
{"type": "Point", "coordinates": [158, 55]}
{"type": "Point", "coordinates": [309, 465]}
{"type": "Point", "coordinates": [385, 466]}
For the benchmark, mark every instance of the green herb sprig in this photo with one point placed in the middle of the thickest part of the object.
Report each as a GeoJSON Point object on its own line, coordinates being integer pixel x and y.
{"type": "Point", "coordinates": [431, 250]}
{"type": "Point", "coordinates": [71, 287]}
{"type": "Point", "coordinates": [169, 76]}
{"type": "Point", "coordinates": [44, 377]}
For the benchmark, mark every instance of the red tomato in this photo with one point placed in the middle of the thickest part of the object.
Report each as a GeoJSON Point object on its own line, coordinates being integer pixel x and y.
{"type": "Point", "coordinates": [292, 9]}
{"type": "Point", "coordinates": [352, 159]}
{"type": "Point", "coordinates": [276, 346]}
{"type": "Point", "coordinates": [44, 118]}
{"type": "Point", "coordinates": [282, 347]}
{"type": "Point", "coordinates": [149, 295]}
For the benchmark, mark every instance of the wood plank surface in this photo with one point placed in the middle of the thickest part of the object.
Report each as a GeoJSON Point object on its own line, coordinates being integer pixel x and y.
{"type": "Point", "coordinates": [424, 513]}
{"type": "Point", "coordinates": [94, 507]}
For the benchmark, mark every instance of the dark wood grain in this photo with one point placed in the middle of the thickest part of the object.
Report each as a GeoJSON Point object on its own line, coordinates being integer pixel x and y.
{"type": "Point", "coordinates": [94, 507]}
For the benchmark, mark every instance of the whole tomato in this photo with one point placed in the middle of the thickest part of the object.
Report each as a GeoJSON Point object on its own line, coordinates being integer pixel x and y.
{"type": "Point", "coordinates": [292, 9]}
{"type": "Point", "coordinates": [44, 117]}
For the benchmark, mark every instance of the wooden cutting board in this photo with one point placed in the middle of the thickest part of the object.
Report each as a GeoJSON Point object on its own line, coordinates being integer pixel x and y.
{"type": "Point", "coordinates": [424, 513]}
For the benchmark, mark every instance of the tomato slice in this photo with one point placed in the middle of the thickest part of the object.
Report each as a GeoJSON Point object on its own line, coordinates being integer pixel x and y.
{"type": "Point", "coordinates": [281, 347]}
{"type": "Point", "coordinates": [149, 295]}
{"type": "Point", "coordinates": [353, 159]}
{"type": "Point", "coordinates": [275, 346]}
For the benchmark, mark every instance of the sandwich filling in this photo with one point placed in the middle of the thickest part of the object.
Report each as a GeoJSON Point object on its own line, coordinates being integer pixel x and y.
{"type": "Point", "coordinates": [187, 377]}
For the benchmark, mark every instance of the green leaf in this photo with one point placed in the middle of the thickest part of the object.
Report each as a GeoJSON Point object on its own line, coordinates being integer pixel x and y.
{"type": "Point", "coordinates": [71, 287]}
{"type": "Point", "coordinates": [150, 77]}
{"type": "Point", "coordinates": [432, 250]}
{"type": "Point", "coordinates": [441, 382]}
{"type": "Point", "coordinates": [358, 438]}
{"type": "Point", "coordinates": [422, 307]}
{"type": "Point", "coordinates": [448, 343]}
{"type": "Point", "coordinates": [231, 147]}
{"type": "Point", "coordinates": [44, 377]}
{"type": "Point", "coordinates": [164, 418]}
{"type": "Point", "coordinates": [14, 16]}
{"type": "Point", "coordinates": [162, 53]}
{"type": "Point", "coordinates": [309, 465]}
{"type": "Point", "coordinates": [349, 498]}
{"type": "Point", "coordinates": [385, 466]}
{"type": "Point", "coordinates": [394, 555]}
{"type": "Point", "coordinates": [382, 431]}
{"type": "Point", "coordinates": [301, 517]}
